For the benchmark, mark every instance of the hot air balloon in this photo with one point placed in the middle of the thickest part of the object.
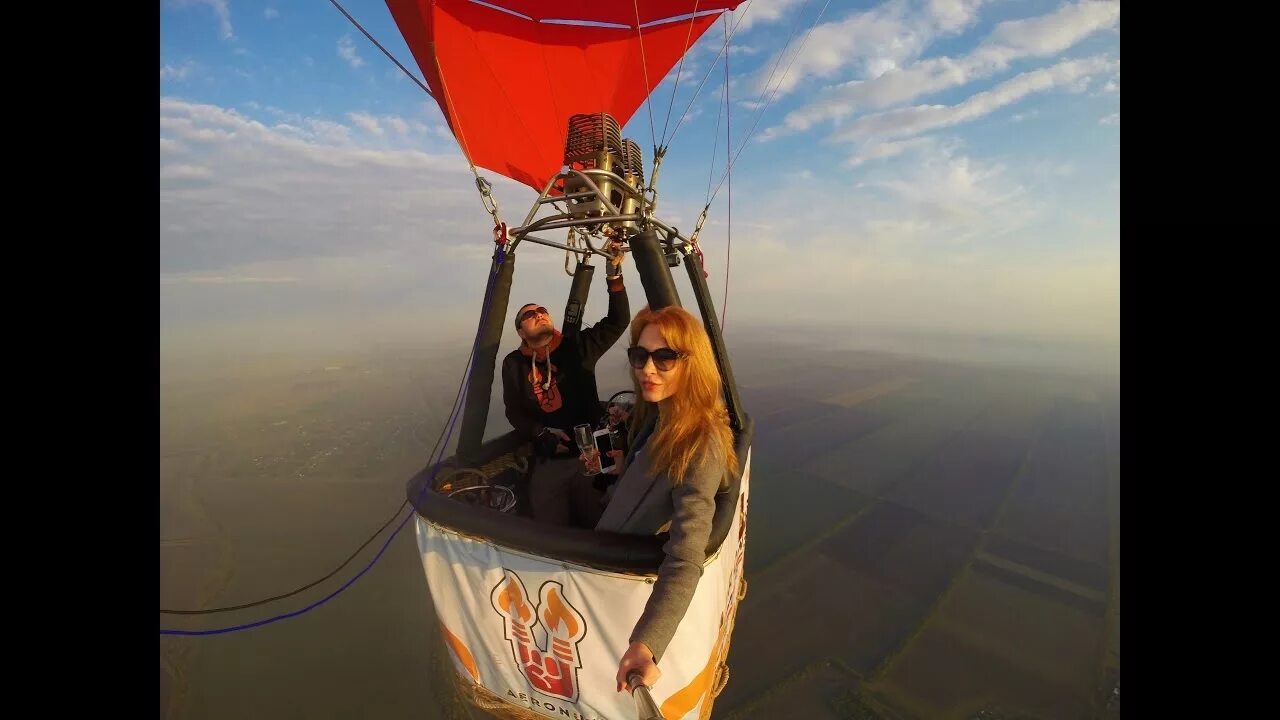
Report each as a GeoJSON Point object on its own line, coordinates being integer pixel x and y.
{"type": "Point", "coordinates": [535, 616]}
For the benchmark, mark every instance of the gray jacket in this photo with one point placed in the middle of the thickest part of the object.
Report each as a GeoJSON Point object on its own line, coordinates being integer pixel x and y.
{"type": "Point", "coordinates": [644, 505]}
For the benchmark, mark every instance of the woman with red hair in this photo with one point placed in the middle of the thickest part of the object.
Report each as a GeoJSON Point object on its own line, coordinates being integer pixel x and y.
{"type": "Point", "coordinates": [682, 454]}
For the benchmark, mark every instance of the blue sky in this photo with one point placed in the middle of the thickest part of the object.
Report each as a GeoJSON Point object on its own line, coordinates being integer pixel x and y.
{"type": "Point", "coordinates": [925, 164]}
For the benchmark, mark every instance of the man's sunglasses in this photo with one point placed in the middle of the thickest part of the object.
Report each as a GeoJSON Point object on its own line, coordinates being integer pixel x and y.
{"type": "Point", "coordinates": [533, 312]}
{"type": "Point", "coordinates": [663, 358]}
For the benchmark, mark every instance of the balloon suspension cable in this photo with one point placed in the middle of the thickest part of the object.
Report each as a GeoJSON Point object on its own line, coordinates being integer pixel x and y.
{"type": "Point", "coordinates": [760, 111]}
{"type": "Point", "coordinates": [386, 52]}
{"type": "Point", "coordinates": [486, 196]}
{"type": "Point", "coordinates": [490, 206]}
{"type": "Point", "coordinates": [710, 67]}
{"type": "Point", "coordinates": [644, 63]}
{"type": "Point", "coordinates": [680, 70]}
{"type": "Point", "coordinates": [570, 242]}
{"type": "Point", "coordinates": [486, 189]}
{"type": "Point", "coordinates": [652, 191]}
{"type": "Point", "coordinates": [693, 239]}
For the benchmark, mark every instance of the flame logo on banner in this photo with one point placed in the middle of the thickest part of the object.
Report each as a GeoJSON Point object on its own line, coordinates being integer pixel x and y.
{"type": "Point", "coordinates": [553, 669]}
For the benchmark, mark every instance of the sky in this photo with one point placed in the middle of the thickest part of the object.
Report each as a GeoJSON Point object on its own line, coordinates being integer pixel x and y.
{"type": "Point", "coordinates": [941, 166]}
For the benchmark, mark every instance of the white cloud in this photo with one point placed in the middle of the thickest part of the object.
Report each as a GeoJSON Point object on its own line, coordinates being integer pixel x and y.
{"type": "Point", "coordinates": [1112, 119]}
{"type": "Point", "coordinates": [367, 122]}
{"type": "Point", "coordinates": [1053, 168]}
{"type": "Point", "coordinates": [248, 192]}
{"type": "Point", "coordinates": [169, 146]}
{"type": "Point", "coordinates": [188, 130]}
{"type": "Point", "coordinates": [905, 122]}
{"type": "Point", "coordinates": [351, 300]}
{"type": "Point", "coordinates": [347, 51]}
{"type": "Point", "coordinates": [871, 42]}
{"type": "Point", "coordinates": [953, 15]}
{"type": "Point", "coordinates": [1019, 117]}
{"type": "Point", "coordinates": [290, 117]}
{"type": "Point", "coordinates": [1052, 33]}
{"type": "Point", "coordinates": [693, 114]}
{"type": "Point", "coordinates": [962, 194]}
{"type": "Point", "coordinates": [184, 172]}
{"type": "Point", "coordinates": [396, 123]}
{"type": "Point", "coordinates": [379, 125]}
{"type": "Point", "coordinates": [219, 8]}
{"type": "Point", "coordinates": [187, 278]}
{"type": "Point", "coordinates": [327, 131]}
{"type": "Point", "coordinates": [1009, 41]}
{"type": "Point", "coordinates": [946, 241]}
{"type": "Point", "coordinates": [271, 234]}
{"type": "Point", "coordinates": [176, 73]}
{"type": "Point", "coordinates": [271, 13]}
{"type": "Point", "coordinates": [888, 149]}
{"type": "Point", "coordinates": [752, 13]}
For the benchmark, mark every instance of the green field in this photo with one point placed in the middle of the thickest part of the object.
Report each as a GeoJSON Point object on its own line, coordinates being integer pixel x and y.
{"type": "Point", "coordinates": [927, 539]}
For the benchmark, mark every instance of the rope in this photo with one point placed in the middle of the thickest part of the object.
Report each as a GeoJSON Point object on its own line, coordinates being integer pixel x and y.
{"type": "Point", "coordinates": [308, 586]}
{"type": "Point", "coordinates": [722, 672]}
{"type": "Point", "coordinates": [760, 112]}
{"type": "Point", "coordinates": [494, 704]}
{"type": "Point", "coordinates": [728, 143]}
{"type": "Point", "coordinates": [496, 497]}
{"type": "Point", "coordinates": [777, 61]}
{"type": "Point", "coordinates": [644, 62]}
{"type": "Point", "coordinates": [570, 242]}
{"type": "Point", "coordinates": [445, 484]}
{"type": "Point", "coordinates": [445, 434]}
{"type": "Point", "coordinates": [486, 195]}
{"type": "Point", "coordinates": [707, 74]}
{"type": "Point", "coordinates": [722, 679]}
{"type": "Point", "coordinates": [679, 70]}
{"type": "Point", "coordinates": [506, 461]}
{"type": "Point", "coordinates": [384, 50]}
{"type": "Point", "coordinates": [486, 189]}
{"type": "Point", "coordinates": [715, 137]}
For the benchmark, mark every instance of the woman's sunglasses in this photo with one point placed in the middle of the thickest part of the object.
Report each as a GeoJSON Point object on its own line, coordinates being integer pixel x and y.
{"type": "Point", "coordinates": [663, 358]}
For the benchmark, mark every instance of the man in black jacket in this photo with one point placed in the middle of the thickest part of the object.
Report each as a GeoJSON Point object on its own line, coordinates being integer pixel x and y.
{"type": "Point", "coordinates": [549, 386]}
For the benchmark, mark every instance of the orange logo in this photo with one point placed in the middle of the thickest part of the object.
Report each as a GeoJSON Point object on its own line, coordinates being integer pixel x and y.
{"type": "Point", "coordinates": [549, 399]}
{"type": "Point", "coordinates": [551, 667]}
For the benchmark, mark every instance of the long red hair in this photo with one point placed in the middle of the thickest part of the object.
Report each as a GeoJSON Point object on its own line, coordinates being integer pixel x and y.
{"type": "Point", "coordinates": [695, 421]}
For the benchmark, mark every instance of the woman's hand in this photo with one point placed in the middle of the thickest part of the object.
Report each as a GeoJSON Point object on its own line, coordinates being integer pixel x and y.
{"type": "Point", "coordinates": [637, 659]}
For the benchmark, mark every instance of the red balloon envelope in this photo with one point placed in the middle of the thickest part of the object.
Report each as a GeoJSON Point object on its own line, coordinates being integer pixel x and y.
{"type": "Point", "coordinates": [508, 74]}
